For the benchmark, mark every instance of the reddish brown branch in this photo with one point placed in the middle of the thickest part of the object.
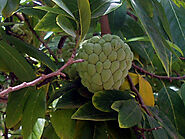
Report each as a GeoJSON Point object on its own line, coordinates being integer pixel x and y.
{"type": "Point", "coordinates": [182, 58]}
{"type": "Point", "coordinates": [37, 36]}
{"type": "Point", "coordinates": [147, 130]}
{"type": "Point", "coordinates": [105, 28]}
{"type": "Point", "coordinates": [138, 97]}
{"type": "Point", "coordinates": [157, 76]}
{"type": "Point", "coordinates": [133, 16]}
{"type": "Point", "coordinates": [43, 77]}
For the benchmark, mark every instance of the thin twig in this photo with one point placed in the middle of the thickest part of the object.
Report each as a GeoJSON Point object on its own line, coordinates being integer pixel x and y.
{"type": "Point", "coordinates": [138, 97]}
{"type": "Point", "coordinates": [157, 76]}
{"type": "Point", "coordinates": [147, 130]}
{"type": "Point", "coordinates": [37, 36]}
{"type": "Point", "coordinates": [42, 77]}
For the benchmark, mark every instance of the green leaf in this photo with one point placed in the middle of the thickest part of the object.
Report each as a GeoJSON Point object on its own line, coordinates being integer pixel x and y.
{"type": "Point", "coordinates": [30, 50]}
{"type": "Point", "coordinates": [172, 105]}
{"type": "Point", "coordinates": [131, 29]}
{"type": "Point", "coordinates": [164, 122]}
{"type": "Point", "coordinates": [4, 67]}
{"type": "Point", "coordinates": [117, 17]}
{"type": "Point", "coordinates": [15, 106]}
{"type": "Point", "coordinates": [179, 3]}
{"type": "Point", "coordinates": [159, 133]}
{"type": "Point", "coordinates": [38, 129]}
{"type": "Point", "coordinates": [30, 11]}
{"type": "Point", "coordinates": [115, 132]}
{"type": "Point", "coordinates": [84, 130]}
{"type": "Point", "coordinates": [100, 131]}
{"type": "Point", "coordinates": [50, 133]}
{"type": "Point", "coordinates": [55, 10]}
{"type": "Point", "coordinates": [103, 7]}
{"type": "Point", "coordinates": [62, 5]}
{"type": "Point", "coordinates": [172, 45]}
{"type": "Point", "coordinates": [89, 112]}
{"type": "Point", "coordinates": [182, 90]}
{"type": "Point", "coordinates": [11, 6]}
{"type": "Point", "coordinates": [48, 23]}
{"type": "Point", "coordinates": [70, 99]}
{"type": "Point", "coordinates": [2, 5]}
{"type": "Point", "coordinates": [34, 109]}
{"type": "Point", "coordinates": [103, 100]}
{"type": "Point", "coordinates": [158, 41]}
{"type": "Point", "coordinates": [15, 62]}
{"type": "Point", "coordinates": [67, 25]}
{"type": "Point", "coordinates": [176, 20]}
{"type": "Point", "coordinates": [63, 124]}
{"type": "Point", "coordinates": [129, 113]}
{"type": "Point", "coordinates": [85, 17]}
{"type": "Point", "coordinates": [163, 18]}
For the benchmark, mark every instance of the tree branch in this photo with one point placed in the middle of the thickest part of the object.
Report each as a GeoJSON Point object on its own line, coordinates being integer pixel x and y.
{"type": "Point", "coordinates": [157, 76]}
{"type": "Point", "coordinates": [138, 97]}
{"type": "Point", "coordinates": [37, 36]}
{"type": "Point", "coordinates": [43, 77]}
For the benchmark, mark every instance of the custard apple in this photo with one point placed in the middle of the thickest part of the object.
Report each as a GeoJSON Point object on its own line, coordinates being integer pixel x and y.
{"type": "Point", "coordinates": [107, 61]}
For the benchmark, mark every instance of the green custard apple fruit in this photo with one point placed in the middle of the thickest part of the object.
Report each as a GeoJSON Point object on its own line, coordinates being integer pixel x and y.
{"type": "Point", "coordinates": [107, 61]}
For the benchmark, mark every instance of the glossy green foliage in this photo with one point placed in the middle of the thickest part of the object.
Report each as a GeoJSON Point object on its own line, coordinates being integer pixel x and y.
{"type": "Point", "coordinates": [16, 62]}
{"type": "Point", "coordinates": [63, 117]}
{"type": "Point", "coordinates": [64, 106]}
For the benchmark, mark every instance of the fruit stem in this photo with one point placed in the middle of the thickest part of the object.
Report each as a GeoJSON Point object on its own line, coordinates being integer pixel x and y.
{"type": "Point", "coordinates": [105, 28]}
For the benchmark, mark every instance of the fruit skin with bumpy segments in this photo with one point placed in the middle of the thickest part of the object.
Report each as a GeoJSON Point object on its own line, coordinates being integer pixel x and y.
{"type": "Point", "coordinates": [107, 61]}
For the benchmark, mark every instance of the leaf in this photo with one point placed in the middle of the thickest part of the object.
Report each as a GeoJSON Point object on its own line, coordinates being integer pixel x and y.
{"type": "Point", "coordinates": [159, 133]}
{"type": "Point", "coordinates": [55, 10]}
{"type": "Point", "coordinates": [117, 17]}
{"type": "Point", "coordinates": [4, 67]}
{"type": "Point", "coordinates": [89, 112]}
{"type": "Point", "coordinates": [15, 62]}
{"type": "Point", "coordinates": [30, 11]}
{"type": "Point", "coordinates": [66, 24]}
{"type": "Point", "coordinates": [30, 50]}
{"type": "Point", "coordinates": [62, 5]}
{"type": "Point", "coordinates": [100, 131]}
{"type": "Point", "coordinates": [126, 85]}
{"type": "Point", "coordinates": [172, 45]}
{"type": "Point", "coordinates": [103, 7]}
{"type": "Point", "coordinates": [63, 124]}
{"type": "Point", "coordinates": [172, 105]}
{"type": "Point", "coordinates": [182, 90]}
{"type": "Point", "coordinates": [158, 41]}
{"type": "Point", "coordinates": [2, 5]}
{"type": "Point", "coordinates": [38, 129]}
{"type": "Point", "coordinates": [48, 23]}
{"type": "Point", "coordinates": [85, 17]}
{"type": "Point", "coordinates": [103, 100]}
{"type": "Point", "coordinates": [33, 110]}
{"type": "Point", "coordinates": [50, 133]}
{"type": "Point", "coordinates": [71, 99]}
{"type": "Point", "coordinates": [164, 122]}
{"type": "Point", "coordinates": [145, 90]}
{"type": "Point", "coordinates": [179, 3]}
{"type": "Point", "coordinates": [131, 29]}
{"type": "Point", "coordinates": [163, 18]}
{"type": "Point", "coordinates": [11, 6]}
{"type": "Point", "coordinates": [176, 20]}
{"type": "Point", "coordinates": [15, 106]}
{"type": "Point", "coordinates": [129, 113]}
{"type": "Point", "coordinates": [84, 130]}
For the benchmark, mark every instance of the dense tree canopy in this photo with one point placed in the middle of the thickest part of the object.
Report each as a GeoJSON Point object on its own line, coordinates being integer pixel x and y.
{"type": "Point", "coordinates": [92, 69]}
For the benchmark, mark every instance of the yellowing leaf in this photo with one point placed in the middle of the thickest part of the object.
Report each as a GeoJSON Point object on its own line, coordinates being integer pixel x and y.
{"type": "Point", "coordinates": [126, 85]}
{"type": "Point", "coordinates": [145, 90]}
